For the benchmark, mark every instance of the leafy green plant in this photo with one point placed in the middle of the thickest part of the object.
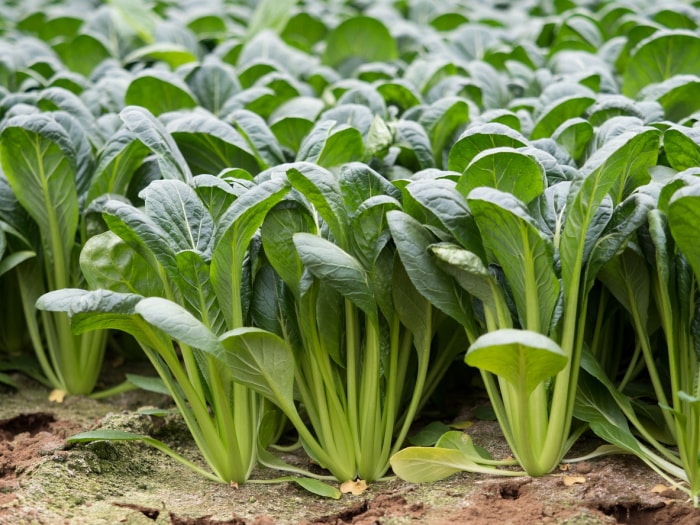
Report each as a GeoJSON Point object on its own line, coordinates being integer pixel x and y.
{"type": "Point", "coordinates": [549, 266]}
{"type": "Point", "coordinates": [42, 158]}
{"type": "Point", "coordinates": [177, 275]}
{"type": "Point", "coordinates": [351, 326]}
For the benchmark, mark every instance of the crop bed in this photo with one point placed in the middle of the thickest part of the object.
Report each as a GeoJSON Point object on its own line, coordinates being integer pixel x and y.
{"type": "Point", "coordinates": [398, 248]}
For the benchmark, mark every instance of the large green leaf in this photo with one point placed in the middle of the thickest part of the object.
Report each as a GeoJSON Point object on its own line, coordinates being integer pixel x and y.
{"type": "Point", "coordinates": [109, 263]}
{"type": "Point", "coordinates": [154, 136]}
{"type": "Point", "coordinates": [660, 57]}
{"type": "Point", "coordinates": [322, 189]}
{"type": "Point", "coordinates": [177, 209]}
{"type": "Point", "coordinates": [412, 242]}
{"type": "Point", "coordinates": [117, 163]}
{"type": "Point", "coordinates": [504, 169]}
{"type": "Point", "coordinates": [683, 219]}
{"type": "Point", "coordinates": [39, 161]}
{"type": "Point", "coordinates": [339, 269]}
{"type": "Point", "coordinates": [209, 145]}
{"type": "Point", "coordinates": [281, 223]}
{"type": "Point", "coordinates": [470, 272]}
{"type": "Point", "coordinates": [527, 256]}
{"type": "Point", "coordinates": [426, 464]}
{"type": "Point", "coordinates": [270, 14]}
{"type": "Point", "coordinates": [234, 232]}
{"type": "Point", "coordinates": [682, 147]}
{"type": "Point", "coordinates": [159, 93]}
{"type": "Point", "coordinates": [521, 357]}
{"type": "Point", "coordinates": [442, 120]}
{"type": "Point", "coordinates": [621, 164]}
{"type": "Point", "coordinates": [263, 362]}
{"type": "Point", "coordinates": [213, 83]}
{"type": "Point", "coordinates": [357, 41]}
{"type": "Point", "coordinates": [481, 138]}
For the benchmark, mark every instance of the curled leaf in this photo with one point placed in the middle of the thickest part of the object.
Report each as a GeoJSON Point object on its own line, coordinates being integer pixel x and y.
{"type": "Point", "coordinates": [353, 487]}
{"type": "Point", "coordinates": [573, 480]}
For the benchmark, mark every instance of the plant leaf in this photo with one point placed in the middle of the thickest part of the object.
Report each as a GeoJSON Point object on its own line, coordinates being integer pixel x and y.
{"type": "Point", "coordinates": [521, 357]}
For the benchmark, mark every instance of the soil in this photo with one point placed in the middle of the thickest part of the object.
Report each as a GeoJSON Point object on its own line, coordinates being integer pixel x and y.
{"type": "Point", "coordinates": [43, 481]}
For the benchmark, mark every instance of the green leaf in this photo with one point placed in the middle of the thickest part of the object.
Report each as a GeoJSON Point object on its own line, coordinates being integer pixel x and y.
{"type": "Point", "coordinates": [627, 278]}
{"type": "Point", "coordinates": [263, 362]}
{"type": "Point", "coordinates": [270, 14]}
{"type": "Point", "coordinates": [213, 83]}
{"type": "Point", "coordinates": [556, 113]}
{"type": "Point", "coordinates": [683, 217]}
{"type": "Point", "coordinates": [318, 487]}
{"type": "Point", "coordinates": [523, 358]}
{"type": "Point", "coordinates": [175, 55]}
{"type": "Point", "coordinates": [357, 41]}
{"type": "Point", "coordinates": [470, 272]}
{"type": "Point", "coordinates": [110, 263]}
{"type": "Point", "coordinates": [154, 136]}
{"type": "Point", "coordinates": [676, 95]}
{"type": "Point", "coordinates": [412, 242]}
{"type": "Point", "coordinates": [682, 147]}
{"type": "Point", "coordinates": [148, 383]}
{"type": "Point", "coordinates": [235, 230]}
{"type": "Point", "coordinates": [623, 159]}
{"type": "Point", "coordinates": [277, 231]}
{"type": "Point", "coordinates": [481, 138]}
{"type": "Point", "coordinates": [441, 120]}
{"type": "Point", "coordinates": [180, 324]}
{"type": "Point", "coordinates": [117, 162]}
{"type": "Point", "coordinates": [574, 135]}
{"type": "Point", "coordinates": [83, 53]}
{"type": "Point", "coordinates": [261, 140]}
{"type": "Point", "coordinates": [527, 256]}
{"type": "Point", "coordinates": [159, 93]}
{"type": "Point", "coordinates": [39, 161]}
{"type": "Point", "coordinates": [209, 145]}
{"type": "Point", "coordinates": [436, 202]}
{"type": "Point", "coordinates": [660, 57]}
{"type": "Point", "coordinates": [429, 434]}
{"type": "Point", "coordinates": [343, 272]}
{"type": "Point", "coordinates": [504, 169]}
{"type": "Point", "coordinates": [322, 189]}
{"type": "Point", "coordinates": [176, 208]}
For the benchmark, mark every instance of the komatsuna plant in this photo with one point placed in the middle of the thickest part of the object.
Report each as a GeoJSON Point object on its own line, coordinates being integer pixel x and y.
{"type": "Point", "coordinates": [355, 342]}
{"type": "Point", "coordinates": [175, 276]}
{"type": "Point", "coordinates": [546, 255]}
{"type": "Point", "coordinates": [43, 159]}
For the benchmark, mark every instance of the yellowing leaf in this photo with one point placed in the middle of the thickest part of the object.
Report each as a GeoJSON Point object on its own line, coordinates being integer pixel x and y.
{"type": "Point", "coordinates": [461, 425]}
{"type": "Point", "coordinates": [353, 487]}
{"type": "Point", "coordinates": [573, 480]}
{"type": "Point", "coordinates": [57, 396]}
{"type": "Point", "coordinates": [564, 467]}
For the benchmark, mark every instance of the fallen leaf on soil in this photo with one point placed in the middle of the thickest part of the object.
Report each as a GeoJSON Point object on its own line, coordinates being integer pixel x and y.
{"type": "Point", "coordinates": [660, 488]}
{"type": "Point", "coordinates": [57, 396]}
{"type": "Point", "coordinates": [573, 480]}
{"type": "Point", "coordinates": [564, 467]}
{"type": "Point", "coordinates": [461, 425]}
{"type": "Point", "coordinates": [353, 487]}
{"type": "Point", "coordinates": [234, 485]}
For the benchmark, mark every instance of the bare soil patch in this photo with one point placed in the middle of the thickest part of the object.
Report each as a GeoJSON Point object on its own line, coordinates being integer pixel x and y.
{"type": "Point", "coordinates": [44, 482]}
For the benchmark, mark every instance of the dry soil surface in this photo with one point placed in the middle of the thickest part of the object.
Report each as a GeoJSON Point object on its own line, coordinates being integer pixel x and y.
{"type": "Point", "coordinates": [42, 481]}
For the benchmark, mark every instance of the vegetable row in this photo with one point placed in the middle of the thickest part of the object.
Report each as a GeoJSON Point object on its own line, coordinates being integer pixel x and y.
{"type": "Point", "coordinates": [311, 232]}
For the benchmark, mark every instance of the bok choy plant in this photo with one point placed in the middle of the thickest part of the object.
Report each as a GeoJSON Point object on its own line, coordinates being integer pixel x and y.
{"type": "Point", "coordinates": [176, 275]}
{"type": "Point", "coordinates": [43, 157]}
{"type": "Point", "coordinates": [655, 281]}
{"type": "Point", "coordinates": [355, 341]}
{"type": "Point", "coordinates": [528, 259]}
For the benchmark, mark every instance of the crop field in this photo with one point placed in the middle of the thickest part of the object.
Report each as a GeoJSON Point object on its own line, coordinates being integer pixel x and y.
{"type": "Point", "coordinates": [349, 248]}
